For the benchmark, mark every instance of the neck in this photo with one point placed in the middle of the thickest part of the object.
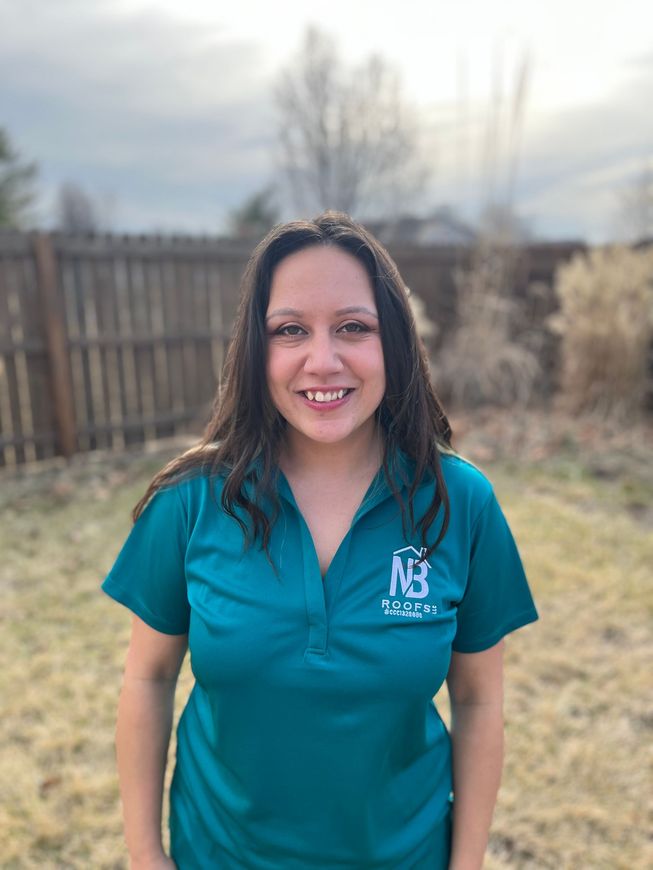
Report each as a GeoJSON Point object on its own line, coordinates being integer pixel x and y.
{"type": "Point", "coordinates": [359, 456]}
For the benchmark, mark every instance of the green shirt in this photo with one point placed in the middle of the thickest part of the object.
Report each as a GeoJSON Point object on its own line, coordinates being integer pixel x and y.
{"type": "Point", "coordinates": [310, 738]}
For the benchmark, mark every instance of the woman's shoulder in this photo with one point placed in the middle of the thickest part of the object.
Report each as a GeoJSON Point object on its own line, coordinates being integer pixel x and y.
{"type": "Point", "coordinates": [463, 478]}
{"type": "Point", "coordinates": [192, 486]}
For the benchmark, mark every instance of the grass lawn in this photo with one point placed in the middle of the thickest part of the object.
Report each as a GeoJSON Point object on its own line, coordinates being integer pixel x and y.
{"type": "Point", "coordinates": [576, 789]}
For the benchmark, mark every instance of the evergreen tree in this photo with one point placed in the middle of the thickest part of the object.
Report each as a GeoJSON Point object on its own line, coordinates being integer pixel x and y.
{"type": "Point", "coordinates": [16, 180]}
{"type": "Point", "coordinates": [256, 215]}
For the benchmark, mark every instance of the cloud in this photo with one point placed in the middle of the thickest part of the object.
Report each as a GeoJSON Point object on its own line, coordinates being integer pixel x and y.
{"type": "Point", "coordinates": [173, 119]}
{"type": "Point", "coordinates": [576, 163]}
{"type": "Point", "coordinates": [144, 107]}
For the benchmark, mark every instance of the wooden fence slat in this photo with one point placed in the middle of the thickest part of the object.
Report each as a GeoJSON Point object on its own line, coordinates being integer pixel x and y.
{"type": "Point", "coordinates": [95, 354]}
{"type": "Point", "coordinates": [175, 359]}
{"type": "Point", "coordinates": [68, 283]}
{"type": "Point", "coordinates": [131, 403]}
{"type": "Point", "coordinates": [85, 390]}
{"type": "Point", "coordinates": [22, 407]}
{"type": "Point", "coordinates": [8, 454]}
{"type": "Point", "coordinates": [55, 327]}
{"type": "Point", "coordinates": [205, 348]}
{"type": "Point", "coordinates": [186, 317]}
{"type": "Point", "coordinates": [104, 356]}
{"type": "Point", "coordinates": [108, 324]}
{"type": "Point", "coordinates": [216, 319]}
{"type": "Point", "coordinates": [140, 317]}
{"type": "Point", "coordinates": [36, 366]}
{"type": "Point", "coordinates": [120, 385]}
{"type": "Point", "coordinates": [160, 386]}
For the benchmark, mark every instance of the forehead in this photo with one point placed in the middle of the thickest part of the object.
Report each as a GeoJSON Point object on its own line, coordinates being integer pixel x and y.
{"type": "Point", "coordinates": [320, 274]}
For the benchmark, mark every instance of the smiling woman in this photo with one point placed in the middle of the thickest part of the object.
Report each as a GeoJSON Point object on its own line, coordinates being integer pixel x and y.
{"type": "Point", "coordinates": [325, 368]}
{"type": "Point", "coordinates": [329, 560]}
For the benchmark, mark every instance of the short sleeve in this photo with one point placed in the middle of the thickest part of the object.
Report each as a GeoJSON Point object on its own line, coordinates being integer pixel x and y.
{"type": "Point", "coordinates": [497, 598]}
{"type": "Point", "coordinates": [148, 576]}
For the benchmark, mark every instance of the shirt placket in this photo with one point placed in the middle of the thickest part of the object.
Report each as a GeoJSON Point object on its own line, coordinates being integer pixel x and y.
{"type": "Point", "coordinates": [321, 595]}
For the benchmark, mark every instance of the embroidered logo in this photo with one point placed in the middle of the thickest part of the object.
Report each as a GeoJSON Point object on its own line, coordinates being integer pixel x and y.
{"type": "Point", "coordinates": [408, 580]}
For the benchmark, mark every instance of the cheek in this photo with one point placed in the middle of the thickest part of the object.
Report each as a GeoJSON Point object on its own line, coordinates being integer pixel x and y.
{"type": "Point", "coordinates": [276, 371]}
{"type": "Point", "coordinates": [382, 380]}
{"type": "Point", "coordinates": [375, 365]}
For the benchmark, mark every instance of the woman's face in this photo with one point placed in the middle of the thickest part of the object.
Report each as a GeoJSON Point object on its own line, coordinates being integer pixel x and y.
{"type": "Point", "coordinates": [325, 368]}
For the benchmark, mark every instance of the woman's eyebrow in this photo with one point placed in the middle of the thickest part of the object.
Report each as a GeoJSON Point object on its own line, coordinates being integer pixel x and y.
{"type": "Point", "coordinates": [285, 312]}
{"type": "Point", "coordinates": [294, 312]}
{"type": "Point", "coordinates": [357, 309]}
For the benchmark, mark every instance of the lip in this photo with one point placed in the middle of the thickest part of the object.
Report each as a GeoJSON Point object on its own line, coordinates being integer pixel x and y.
{"type": "Point", "coordinates": [326, 389]}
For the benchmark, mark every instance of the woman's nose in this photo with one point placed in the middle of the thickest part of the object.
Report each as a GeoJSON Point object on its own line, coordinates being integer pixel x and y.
{"type": "Point", "coordinates": [322, 355]}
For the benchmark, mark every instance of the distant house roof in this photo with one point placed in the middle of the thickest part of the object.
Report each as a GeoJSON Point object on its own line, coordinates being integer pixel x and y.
{"type": "Point", "coordinates": [440, 228]}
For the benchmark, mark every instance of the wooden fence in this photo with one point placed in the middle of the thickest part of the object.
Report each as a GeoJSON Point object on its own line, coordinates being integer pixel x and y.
{"type": "Point", "coordinates": [106, 341]}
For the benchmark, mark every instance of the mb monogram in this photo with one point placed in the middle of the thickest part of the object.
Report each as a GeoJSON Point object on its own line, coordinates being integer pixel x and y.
{"type": "Point", "coordinates": [408, 585]}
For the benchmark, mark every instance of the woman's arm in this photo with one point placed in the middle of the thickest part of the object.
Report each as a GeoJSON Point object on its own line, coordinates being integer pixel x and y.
{"type": "Point", "coordinates": [145, 713]}
{"type": "Point", "coordinates": [475, 683]}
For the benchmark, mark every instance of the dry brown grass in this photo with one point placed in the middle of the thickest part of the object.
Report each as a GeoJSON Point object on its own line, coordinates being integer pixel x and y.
{"type": "Point", "coordinates": [605, 320]}
{"type": "Point", "coordinates": [578, 714]}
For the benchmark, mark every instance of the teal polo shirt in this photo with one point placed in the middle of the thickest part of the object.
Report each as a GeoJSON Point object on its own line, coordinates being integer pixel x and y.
{"type": "Point", "coordinates": [310, 738]}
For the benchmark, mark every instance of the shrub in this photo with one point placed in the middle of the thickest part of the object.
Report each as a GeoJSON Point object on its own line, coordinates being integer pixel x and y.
{"type": "Point", "coordinates": [605, 322]}
{"type": "Point", "coordinates": [481, 363]}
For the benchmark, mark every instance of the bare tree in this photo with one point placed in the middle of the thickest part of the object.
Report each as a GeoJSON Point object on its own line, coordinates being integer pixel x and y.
{"type": "Point", "coordinates": [500, 224]}
{"type": "Point", "coordinates": [76, 211]}
{"type": "Point", "coordinates": [348, 140]}
{"type": "Point", "coordinates": [492, 355]}
{"type": "Point", "coordinates": [636, 210]}
{"type": "Point", "coordinates": [16, 181]}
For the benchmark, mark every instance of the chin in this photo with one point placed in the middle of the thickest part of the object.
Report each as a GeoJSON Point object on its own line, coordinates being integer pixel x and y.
{"type": "Point", "coordinates": [341, 437]}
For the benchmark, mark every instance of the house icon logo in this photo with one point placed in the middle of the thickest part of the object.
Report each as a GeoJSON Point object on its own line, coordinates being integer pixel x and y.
{"type": "Point", "coordinates": [408, 577]}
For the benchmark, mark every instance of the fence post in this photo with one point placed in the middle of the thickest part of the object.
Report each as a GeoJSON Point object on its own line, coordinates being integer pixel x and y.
{"type": "Point", "coordinates": [57, 342]}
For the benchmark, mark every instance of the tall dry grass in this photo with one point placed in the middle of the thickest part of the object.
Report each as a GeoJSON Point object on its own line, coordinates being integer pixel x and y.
{"type": "Point", "coordinates": [606, 325]}
{"type": "Point", "coordinates": [481, 362]}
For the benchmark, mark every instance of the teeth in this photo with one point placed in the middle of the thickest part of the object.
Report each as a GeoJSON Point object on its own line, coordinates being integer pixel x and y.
{"type": "Point", "coordinates": [319, 396]}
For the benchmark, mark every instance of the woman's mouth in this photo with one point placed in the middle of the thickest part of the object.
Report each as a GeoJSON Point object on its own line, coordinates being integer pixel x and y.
{"type": "Point", "coordinates": [325, 396]}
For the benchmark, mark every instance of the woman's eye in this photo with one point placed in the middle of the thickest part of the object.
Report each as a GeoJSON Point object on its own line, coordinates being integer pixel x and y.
{"type": "Point", "coordinates": [289, 329]}
{"type": "Point", "coordinates": [354, 327]}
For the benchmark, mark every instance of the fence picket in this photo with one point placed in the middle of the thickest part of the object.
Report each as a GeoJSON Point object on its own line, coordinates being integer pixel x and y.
{"type": "Point", "coordinates": [57, 342]}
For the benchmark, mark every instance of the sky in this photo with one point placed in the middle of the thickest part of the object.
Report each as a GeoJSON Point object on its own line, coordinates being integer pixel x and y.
{"type": "Point", "coordinates": [162, 111]}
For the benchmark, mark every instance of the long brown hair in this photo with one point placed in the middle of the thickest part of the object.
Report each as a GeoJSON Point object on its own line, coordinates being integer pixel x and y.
{"type": "Point", "coordinates": [242, 438]}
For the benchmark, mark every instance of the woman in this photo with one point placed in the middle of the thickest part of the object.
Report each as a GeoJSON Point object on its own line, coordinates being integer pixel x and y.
{"type": "Point", "coordinates": [329, 560]}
